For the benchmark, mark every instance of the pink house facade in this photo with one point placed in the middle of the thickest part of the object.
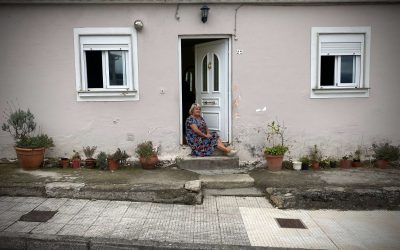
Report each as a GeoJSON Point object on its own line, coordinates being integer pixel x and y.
{"type": "Point", "coordinates": [327, 69]}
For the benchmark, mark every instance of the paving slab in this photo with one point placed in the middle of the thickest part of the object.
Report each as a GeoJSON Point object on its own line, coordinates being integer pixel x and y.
{"type": "Point", "coordinates": [221, 222]}
{"type": "Point", "coordinates": [227, 181]}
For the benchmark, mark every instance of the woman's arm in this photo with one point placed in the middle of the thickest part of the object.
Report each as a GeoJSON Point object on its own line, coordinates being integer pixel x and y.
{"type": "Point", "coordinates": [197, 131]}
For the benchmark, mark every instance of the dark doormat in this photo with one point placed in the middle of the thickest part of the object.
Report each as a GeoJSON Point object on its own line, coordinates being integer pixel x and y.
{"type": "Point", "coordinates": [38, 216]}
{"type": "Point", "coordinates": [290, 223]}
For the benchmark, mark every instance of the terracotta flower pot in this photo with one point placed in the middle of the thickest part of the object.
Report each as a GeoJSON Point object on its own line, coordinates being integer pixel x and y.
{"type": "Point", "coordinates": [90, 162]}
{"type": "Point", "coordinates": [113, 165]}
{"type": "Point", "coordinates": [315, 165]}
{"type": "Point", "coordinates": [76, 163]}
{"type": "Point", "coordinates": [356, 164]}
{"type": "Point", "coordinates": [149, 163]}
{"type": "Point", "coordinates": [274, 162]}
{"type": "Point", "coordinates": [30, 158]}
{"type": "Point", "coordinates": [345, 163]}
{"type": "Point", "coordinates": [64, 162]}
{"type": "Point", "coordinates": [381, 164]}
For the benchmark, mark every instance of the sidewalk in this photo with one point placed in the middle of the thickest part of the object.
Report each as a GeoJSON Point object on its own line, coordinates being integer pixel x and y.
{"type": "Point", "coordinates": [219, 223]}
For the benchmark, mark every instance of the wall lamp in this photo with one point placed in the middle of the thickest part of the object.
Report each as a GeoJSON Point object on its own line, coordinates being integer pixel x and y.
{"type": "Point", "coordinates": [138, 25]}
{"type": "Point", "coordinates": [204, 13]}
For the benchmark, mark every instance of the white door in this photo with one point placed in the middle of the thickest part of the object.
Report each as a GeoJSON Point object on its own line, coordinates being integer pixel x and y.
{"type": "Point", "coordinates": [212, 85]}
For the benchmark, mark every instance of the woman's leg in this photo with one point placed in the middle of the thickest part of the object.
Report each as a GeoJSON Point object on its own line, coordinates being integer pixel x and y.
{"type": "Point", "coordinates": [222, 147]}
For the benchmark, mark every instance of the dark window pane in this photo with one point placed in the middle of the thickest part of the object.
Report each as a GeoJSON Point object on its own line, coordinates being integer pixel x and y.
{"type": "Point", "coordinates": [205, 89]}
{"type": "Point", "coordinates": [327, 71]}
{"type": "Point", "coordinates": [216, 73]}
{"type": "Point", "coordinates": [347, 72]}
{"type": "Point", "coordinates": [94, 69]}
{"type": "Point", "coordinates": [116, 68]}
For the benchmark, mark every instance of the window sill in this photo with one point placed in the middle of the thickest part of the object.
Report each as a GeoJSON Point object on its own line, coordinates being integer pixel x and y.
{"type": "Point", "coordinates": [107, 95]}
{"type": "Point", "coordinates": [339, 92]}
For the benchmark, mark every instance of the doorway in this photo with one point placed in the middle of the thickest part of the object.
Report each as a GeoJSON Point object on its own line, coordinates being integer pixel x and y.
{"type": "Point", "coordinates": [205, 79]}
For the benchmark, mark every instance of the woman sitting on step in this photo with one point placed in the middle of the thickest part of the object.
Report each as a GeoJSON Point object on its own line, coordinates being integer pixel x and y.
{"type": "Point", "coordinates": [198, 136]}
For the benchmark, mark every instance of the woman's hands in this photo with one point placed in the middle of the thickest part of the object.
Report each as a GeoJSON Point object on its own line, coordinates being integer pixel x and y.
{"type": "Point", "coordinates": [197, 131]}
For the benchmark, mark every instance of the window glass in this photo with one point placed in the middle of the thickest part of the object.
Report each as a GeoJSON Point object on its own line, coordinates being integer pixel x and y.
{"type": "Point", "coordinates": [94, 69]}
{"type": "Point", "coordinates": [347, 71]}
{"type": "Point", "coordinates": [116, 68]}
{"type": "Point", "coordinates": [216, 73]}
{"type": "Point", "coordinates": [205, 89]}
{"type": "Point", "coordinates": [327, 71]}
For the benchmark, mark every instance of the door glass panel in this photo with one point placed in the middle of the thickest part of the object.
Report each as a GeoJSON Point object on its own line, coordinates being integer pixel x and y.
{"type": "Point", "coordinates": [205, 89]}
{"type": "Point", "coordinates": [94, 69]}
{"type": "Point", "coordinates": [347, 71]}
{"type": "Point", "coordinates": [116, 68]}
{"type": "Point", "coordinates": [216, 73]}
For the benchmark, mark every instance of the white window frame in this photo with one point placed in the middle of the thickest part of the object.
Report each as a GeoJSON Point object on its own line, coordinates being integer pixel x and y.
{"type": "Point", "coordinates": [360, 88]}
{"type": "Point", "coordinates": [106, 39]}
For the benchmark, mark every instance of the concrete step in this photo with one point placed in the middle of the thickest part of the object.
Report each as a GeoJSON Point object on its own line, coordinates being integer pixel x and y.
{"type": "Point", "coordinates": [227, 181]}
{"type": "Point", "coordinates": [210, 163]}
{"type": "Point", "coordinates": [246, 192]}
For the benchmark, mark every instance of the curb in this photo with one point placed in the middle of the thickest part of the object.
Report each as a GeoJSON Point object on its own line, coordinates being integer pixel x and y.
{"type": "Point", "coordinates": [40, 241]}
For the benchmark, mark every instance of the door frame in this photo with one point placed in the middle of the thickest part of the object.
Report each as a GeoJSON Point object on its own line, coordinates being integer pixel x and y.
{"type": "Point", "coordinates": [229, 38]}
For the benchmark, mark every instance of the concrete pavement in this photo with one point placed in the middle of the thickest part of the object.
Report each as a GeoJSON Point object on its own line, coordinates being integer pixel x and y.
{"type": "Point", "coordinates": [221, 222]}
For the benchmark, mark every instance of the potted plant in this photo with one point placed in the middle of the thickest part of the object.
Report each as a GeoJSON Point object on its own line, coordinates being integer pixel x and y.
{"type": "Point", "coordinates": [305, 162]}
{"type": "Point", "coordinates": [65, 162]}
{"type": "Point", "coordinates": [356, 159]}
{"type": "Point", "coordinates": [315, 157]}
{"type": "Point", "coordinates": [385, 153]}
{"type": "Point", "coordinates": [76, 160]}
{"type": "Point", "coordinates": [30, 148]}
{"type": "Point", "coordinates": [345, 162]}
{"type": "Point", "coordinates": [89, 152]}
{"type": "Point", "coordinates": [331, 162]}
{"type": "Point", "coordinates": [275, 153]}
{"type": "Point", "coordinates": [101, 160]}
{"type": "Point", "coordinates": [116, 159]}
{"type": "Point", "coordinates": [147, 155]}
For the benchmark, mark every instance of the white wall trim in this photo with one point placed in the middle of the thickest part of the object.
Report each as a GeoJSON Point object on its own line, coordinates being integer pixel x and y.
{"type": "Point", "coordinates": [327, 92]}
{"type": "Point", "coordinates": [131, 94]}
{"type": "Point", "coordinates": [229, 37]}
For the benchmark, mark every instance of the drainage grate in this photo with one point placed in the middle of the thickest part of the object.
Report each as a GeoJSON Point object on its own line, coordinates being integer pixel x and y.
{"type": "Point", "coordinates": [290, 223]}
{"type": "Point", "coordinates": [38, 216]}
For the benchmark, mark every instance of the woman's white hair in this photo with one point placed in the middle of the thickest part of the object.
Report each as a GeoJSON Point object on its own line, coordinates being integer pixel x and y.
{"type": "Point", "coordinates": [194, 105]}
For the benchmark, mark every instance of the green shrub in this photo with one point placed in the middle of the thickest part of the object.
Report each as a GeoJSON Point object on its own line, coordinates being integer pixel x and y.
{"type": "Point", "coordinates": [385, 151]}
{"type": "Point", "coordinates": [101, 160]}
{"type": "Point", "coordinates": [145, 149]}
{"type": "Point", "coordinates": [276, 150]}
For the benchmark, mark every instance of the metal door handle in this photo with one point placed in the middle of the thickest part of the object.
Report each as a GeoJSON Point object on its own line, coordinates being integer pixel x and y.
{"type": "Point", "coordinates": [209, 102]}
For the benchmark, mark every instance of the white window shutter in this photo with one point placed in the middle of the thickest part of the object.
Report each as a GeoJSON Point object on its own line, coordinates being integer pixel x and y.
{"type": "Point", "coordinates": [338, 48]}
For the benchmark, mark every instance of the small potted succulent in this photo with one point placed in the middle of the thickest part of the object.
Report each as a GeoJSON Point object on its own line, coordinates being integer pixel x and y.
{"type": "Point", "coordinates": [65, 162]}
{"type": "Point", "coordinates": [76, 160]}
{"type": "Point", "coordinates": [147, 155]}
{"type": "Point", "coordinates": [356, 163]}
{"type": "Point", "coordinates": [274, 154]}
{"type": "Point", "coordinates": [305, 162]}
{"type": "Point", "coordinates": [89, 152]}
{"type": "Point", "coordinates": [116, 159]}
{"type": "Point", "coordinates": [30, 148]}
{"type": "Point", "coordinates": [345, 162]}
{"type": "Point", "coordinates": [385, 153]}
{"type": "Point", "coordinates": [315, 157]}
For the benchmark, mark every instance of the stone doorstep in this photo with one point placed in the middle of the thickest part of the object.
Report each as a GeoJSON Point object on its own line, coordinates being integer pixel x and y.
{"type": "Point", "coordinates": [241, 192]}
{"type": "Point", "coordinates": [208, 163]}
{"type": "Point", "coordinates": [227, 181]}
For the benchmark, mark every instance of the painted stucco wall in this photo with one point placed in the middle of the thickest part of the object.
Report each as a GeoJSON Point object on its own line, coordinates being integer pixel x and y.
{"type": "Point", "coordinates": [37, 72]}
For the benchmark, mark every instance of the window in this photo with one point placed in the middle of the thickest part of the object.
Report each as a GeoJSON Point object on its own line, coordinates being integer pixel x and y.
{"type": "Point", "coordinates": [106, 64]}
{"type": "Point", "coordinates": [340, 62]}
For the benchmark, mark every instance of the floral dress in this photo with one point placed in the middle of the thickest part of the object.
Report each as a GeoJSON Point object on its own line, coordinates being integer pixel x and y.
{"type": "Point", "coordinates": [200, 146]}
